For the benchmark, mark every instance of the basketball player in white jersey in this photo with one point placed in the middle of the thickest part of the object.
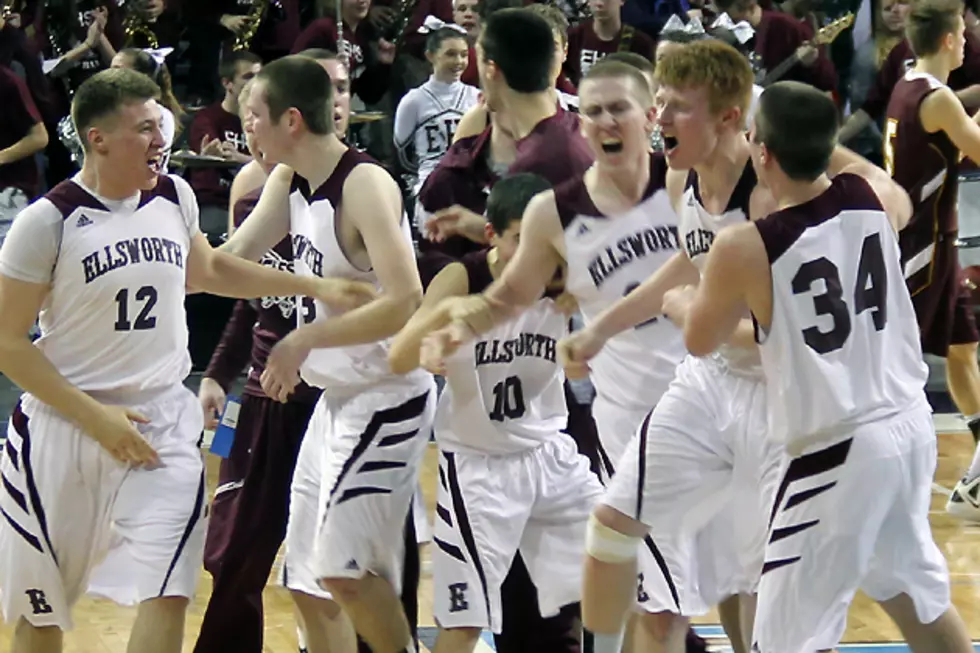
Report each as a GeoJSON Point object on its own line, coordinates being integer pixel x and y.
{"type": "Point", "coordinates": [426, 118]}
{"type": "Point", "coordinates": [358, 465]}
{"type": "Point", "coordinates": [105, 438]}
{"type": "Point", "coordinates": [612, 228]}
{"type": "Point", "coordinates": [840, 348]}
{"type": "Point", "coordinates": [510, 480]}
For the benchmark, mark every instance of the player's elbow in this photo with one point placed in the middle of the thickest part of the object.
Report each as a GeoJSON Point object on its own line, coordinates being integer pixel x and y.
{"type": "Point", "coordinates": [402, 306]}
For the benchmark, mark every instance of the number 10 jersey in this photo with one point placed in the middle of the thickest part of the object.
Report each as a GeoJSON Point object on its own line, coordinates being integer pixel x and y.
{"type": "Point", "coordinates": [843, 347]}
{"type": "Point", "coordinates": [504, 393]}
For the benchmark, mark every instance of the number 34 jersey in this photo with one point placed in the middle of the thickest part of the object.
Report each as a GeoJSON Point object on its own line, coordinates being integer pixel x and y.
{"type": "Point", "coordinates": [114, 319]}
{"type": "Point", "coordinates": [504, 393]}
{"type": "Point", "coordinates": [843, 347]}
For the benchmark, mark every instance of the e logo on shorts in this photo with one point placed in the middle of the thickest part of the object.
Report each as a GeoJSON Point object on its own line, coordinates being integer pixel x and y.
{"type": "Point", "coordinates": [39, 602]}
{"type": "Point", "coordinates": [457, 597]}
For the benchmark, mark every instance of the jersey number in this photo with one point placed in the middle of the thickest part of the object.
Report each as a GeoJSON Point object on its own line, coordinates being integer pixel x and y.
{"type": "Point", "coordinates": [888, 145]}
{"type": "Point", "coordinates": [144, 321]}
{"type": "Point", "coordinates": [508, 400]}
{"type": "Point", "coordinates": [308, 311]}
{"type": "Point", "coordinates": [870, 293]}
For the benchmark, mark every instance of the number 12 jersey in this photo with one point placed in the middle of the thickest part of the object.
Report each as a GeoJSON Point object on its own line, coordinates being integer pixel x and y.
{"type": "Point", "coordinates": [843, 347]}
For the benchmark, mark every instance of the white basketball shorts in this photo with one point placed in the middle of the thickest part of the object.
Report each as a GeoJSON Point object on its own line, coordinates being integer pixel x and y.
{"type": "Point", "coordinates": [848, 516]}
{"type": "Point", "coordinates": [537, 502]}
{"type": "Point", "coordinates": [66, 501]}
{"type": "Point", "coordinates": [357, 471]}
{"type": "Point", "coordinates": [697, 476]}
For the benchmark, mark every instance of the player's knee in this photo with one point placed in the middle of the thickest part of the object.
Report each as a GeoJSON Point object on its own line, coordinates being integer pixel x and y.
{"type": "Point", "coordinates": [460, 638]}
{"type": "Point", "coordinates": [606, 543]}
{"type": "Point", "coordinates": [165, 606]}
{"type": "Point", "coordinates": [660, 626]}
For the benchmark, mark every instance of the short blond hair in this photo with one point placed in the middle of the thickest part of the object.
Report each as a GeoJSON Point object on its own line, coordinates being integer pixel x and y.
{"type": "Point", "coordinates": [711, 64]}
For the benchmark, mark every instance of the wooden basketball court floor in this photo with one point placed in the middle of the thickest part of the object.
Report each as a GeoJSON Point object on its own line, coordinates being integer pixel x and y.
{"type": "Point", "coordinates": [103, 627]}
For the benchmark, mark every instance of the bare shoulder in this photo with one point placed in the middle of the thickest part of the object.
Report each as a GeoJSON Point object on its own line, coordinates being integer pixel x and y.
{"type": "Point", "coordinates": [761, 203]}
{"type": "Point", "coordinates": [939, 108]}
{"type": "Point", "coordinates": [370, 183]}
{"type": "Point", "coordinates": [472, 123]}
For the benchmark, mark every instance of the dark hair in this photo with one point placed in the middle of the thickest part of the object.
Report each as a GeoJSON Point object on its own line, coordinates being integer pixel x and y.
{"type": "Point", "coordinates": [298, 82]}
{"type": "Point", "coordinates": [230, 61]}
{"type": "Point", "coordinates": [143, 62]}
{"type": "Point", "coordinates": [487, 7]}
{"type": "Point", "coordinates": [555, 17]}
{"type": "Point", "coordinates": [725, 6]}
{"type": "Point", "coordinates": [510, 196]}
{"type": "Point", "coordinates": [437, 37]}
{"type": "Point", "coordinates": [633, 59]}
{"type": "Point", "coordinates": [522, 46]}
{"type": "Point", "coordinates": [803, 154]}
{"type": "Point", "coordinates": [104, 93]}
{"type": "Point", "coordinates": [928, 23]}
{"type": "Point", "coordinates": [607, 69]}
{"type": "Point", "coordinates": [320, 54]}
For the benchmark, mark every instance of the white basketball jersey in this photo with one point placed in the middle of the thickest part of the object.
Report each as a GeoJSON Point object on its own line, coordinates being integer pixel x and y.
{"type": "Point", "coordinates": [504, 394]}
{"type": "Point", "coordinates": [114, 318]}
{"type": "Point", "coordinates": [317, 252]}
{"type": "Point", "coordinates": [426, 121]}
{"type": "Point", "coordinates": [699, 228]}
{"type": "Point", "coordinates": [609, 256]}
{"type": "Point", "coordinates": [843, 348]}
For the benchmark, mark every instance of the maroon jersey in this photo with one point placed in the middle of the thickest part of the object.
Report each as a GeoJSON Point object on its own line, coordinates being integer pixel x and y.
{"type": "Point", "coordinates": [777, 37]}
{"type": "Point", "coordinates": [555, 149]}
{"type": "Point", "coordinates": [18, 115]}
{"type": "Point", "coordinates": [585, 48]}
{"type": "Point", "coordinates": [925, 165]}
{"type": "Point", "coordinates": [264, 321]}
{"type": "Point", "coordinates": [212, 185]}
{"type": "Point", "coordinates": [369, 79]}
{"type": "Point", "coordinates": [901, 58]}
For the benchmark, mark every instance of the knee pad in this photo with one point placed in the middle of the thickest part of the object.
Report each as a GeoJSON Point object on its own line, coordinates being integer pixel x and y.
{"type": "Point", "coordinates": [608, 545]}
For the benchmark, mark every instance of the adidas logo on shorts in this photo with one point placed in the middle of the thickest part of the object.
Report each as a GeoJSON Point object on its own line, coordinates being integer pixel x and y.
{"type": "Point", "coordinates": [83, 221]}
{"type": "Point", "coordinates": [352, 565]}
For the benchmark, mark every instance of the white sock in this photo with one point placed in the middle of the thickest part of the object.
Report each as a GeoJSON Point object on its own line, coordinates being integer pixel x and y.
{"type": "Point", "coordinates": [605, 643]}
{"type": "Point", "coordinates": [974, 470]}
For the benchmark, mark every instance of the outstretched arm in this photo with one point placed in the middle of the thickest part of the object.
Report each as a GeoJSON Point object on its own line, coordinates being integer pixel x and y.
{"type": "Point", "coordinates": [269, 221]}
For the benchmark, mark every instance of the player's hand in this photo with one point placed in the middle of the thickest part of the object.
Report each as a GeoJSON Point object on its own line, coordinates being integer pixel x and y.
{"type": "Point", "coordinates": [435, 349]}
{"type": "Point", "coordinates": [577, 349]}
{"type": "Point", "coordinates": [281, 375]}
{"type": "Point", "coordinates": [115, 429]}
{"type": "Point", "coordinates": [456, 221]}
{"type": "Point", "coordinates": [212, 398]}
{"type": "Point", "coordinates": [677, 303]}
{"type": "Point", "coordinates": [343, 294]}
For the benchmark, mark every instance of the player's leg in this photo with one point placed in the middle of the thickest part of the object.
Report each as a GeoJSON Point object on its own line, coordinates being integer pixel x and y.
{"type": "Point", "coordinates": [50, 538]}
{"type": "Point", "coordinates": [376, 446]}
{"type": "Point", "coordinates": [327, 629]}
{"type": "Point", "coordinates": [830, 533]}
{"type": "Point", "coordinates": [248, 522]}
{"type": "Point", "coordinates": [908, 574]}
{"type": "Point", "coordinates": [551, 546]}
{"type": "Point", "coordinates": [483, 503]}
{"type": "Point", "coordinates": [159, 524]}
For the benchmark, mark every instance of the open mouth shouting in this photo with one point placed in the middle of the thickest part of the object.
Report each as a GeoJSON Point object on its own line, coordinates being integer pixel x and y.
{"type": "Point", "coordinates": [670, 144]}
{"type": "Point", "coordinates": [155, 163]}
{"type": "Point", "coordinates": [612, 145]}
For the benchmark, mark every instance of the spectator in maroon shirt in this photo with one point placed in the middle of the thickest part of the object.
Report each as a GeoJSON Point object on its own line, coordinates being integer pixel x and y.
{"type": "Point", "coordinates": [369, 56]}
{"type": "Point", "coordinates": [777, 38]}
{"type": "Point", "coordinates": [217, 131]}
{"type": "Point", "coordinates": [22, 135]}
{"type": "Point", "coordinates": [279, 29]}
{"type": "Point", "coordinates": [603, 34]}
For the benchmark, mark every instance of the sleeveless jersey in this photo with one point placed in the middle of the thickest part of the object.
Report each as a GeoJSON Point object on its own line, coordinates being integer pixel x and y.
{"type": "Point", "coordinates": [114, 320]}
{"type": "Point", "coordinates": [426, 121]}
{"type": "Point", "coordinates": [699, 229]}
{"type": "Point", "coordinates": [609, 256]}
{"type": "Point", "coordinates": [318, 252]}
{"type": "Point", "coordinates": [504, 394]}
{"type": "Point", "coordinates": [925, 165]}
{"type": "Point", "coordinates": [843, 348]}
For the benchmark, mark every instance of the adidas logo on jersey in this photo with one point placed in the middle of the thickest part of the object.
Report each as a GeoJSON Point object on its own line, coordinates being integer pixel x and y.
{"type": "Point", "coordinates": [582, 229]}
{"type": "Point", "coordinates": [83, 221]}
